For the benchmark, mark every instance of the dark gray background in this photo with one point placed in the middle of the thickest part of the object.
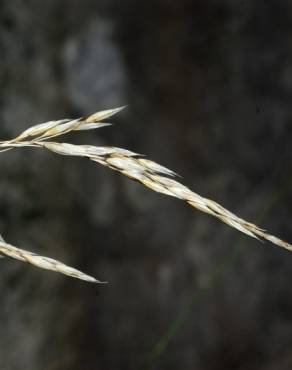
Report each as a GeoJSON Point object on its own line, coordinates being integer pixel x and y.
{"type": "Point", "coordinates": [208, 86]}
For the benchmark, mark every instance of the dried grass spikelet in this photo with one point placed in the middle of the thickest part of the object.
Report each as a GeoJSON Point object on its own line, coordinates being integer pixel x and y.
{"type": "Point", "coordinates": [43, 262]}
{"type": "Point", "coordinates": [152, 175]}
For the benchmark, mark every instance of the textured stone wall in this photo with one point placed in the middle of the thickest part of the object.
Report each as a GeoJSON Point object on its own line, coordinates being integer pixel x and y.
{"type": "Point", "coordinates": [209, 87]}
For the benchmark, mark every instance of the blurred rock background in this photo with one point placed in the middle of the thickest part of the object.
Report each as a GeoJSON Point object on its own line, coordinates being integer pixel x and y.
{"type": "Point", "coordinates": [209, 87]}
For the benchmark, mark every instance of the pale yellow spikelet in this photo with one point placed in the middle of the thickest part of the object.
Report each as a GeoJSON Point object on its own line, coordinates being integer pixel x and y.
{"type": "Point", "coordinates": [38, 130]}
{"type": "Point", "coordinates": [43, 262]}
{"type": "Point", "coordinates": [100, 116]}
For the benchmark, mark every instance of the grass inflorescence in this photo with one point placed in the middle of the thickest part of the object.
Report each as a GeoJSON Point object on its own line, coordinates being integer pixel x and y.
{"type": "Point", "coordinates": [135, 166]}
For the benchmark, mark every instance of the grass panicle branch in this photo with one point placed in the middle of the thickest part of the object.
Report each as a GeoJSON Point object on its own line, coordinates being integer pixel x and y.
{"type": "Point", "coordinates": [151, 174]}
{"type": "Point", "coordinates": [43, 262]}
